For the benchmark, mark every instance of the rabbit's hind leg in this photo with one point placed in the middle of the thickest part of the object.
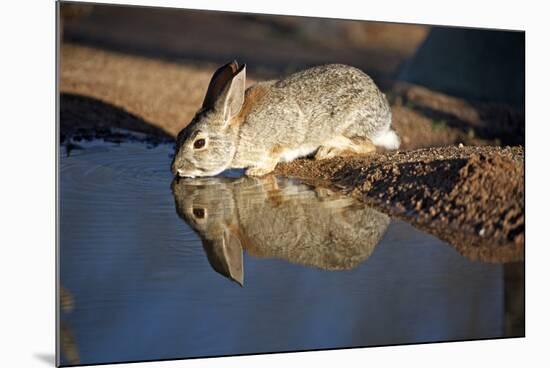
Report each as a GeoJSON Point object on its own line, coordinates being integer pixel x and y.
{"type": "Point", "coordinates": [343, 146]}
{"type": "Point", "coordinates": [361, 146]}
{"type": "Point", "coordinates": [333, 148]}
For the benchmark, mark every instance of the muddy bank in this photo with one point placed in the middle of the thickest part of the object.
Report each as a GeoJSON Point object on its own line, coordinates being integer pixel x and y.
{"type": "Point", "coordinates": [471, 197]}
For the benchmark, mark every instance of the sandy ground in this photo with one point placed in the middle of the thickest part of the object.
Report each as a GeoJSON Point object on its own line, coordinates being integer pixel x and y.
{"type": "Point", "coordinates": [472, 197]}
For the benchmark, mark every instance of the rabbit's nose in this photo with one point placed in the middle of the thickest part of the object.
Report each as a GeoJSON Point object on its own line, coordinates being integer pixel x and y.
{"type": "Point", "coordinates": [180, 172]}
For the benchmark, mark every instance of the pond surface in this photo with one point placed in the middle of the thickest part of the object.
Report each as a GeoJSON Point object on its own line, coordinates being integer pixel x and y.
{"type": "Point", "coordinates": [154, 269]}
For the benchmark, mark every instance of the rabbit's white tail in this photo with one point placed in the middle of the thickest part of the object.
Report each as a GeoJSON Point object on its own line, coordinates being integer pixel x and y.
{"type": "Point", "coordinates": [387, 139]}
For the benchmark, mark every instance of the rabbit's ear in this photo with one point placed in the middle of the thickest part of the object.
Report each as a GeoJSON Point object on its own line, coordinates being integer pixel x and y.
{"type": "Point", "coordinates": [225, 255]}
{"type": "Point", "coordinates": [231, 100]}
{"type": "Point", "coordinates": [233, 251]}
{"type": "Point", "coordinates": [219, 81]}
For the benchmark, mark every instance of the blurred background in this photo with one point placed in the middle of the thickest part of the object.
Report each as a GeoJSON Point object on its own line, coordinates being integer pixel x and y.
{"type": "Point", "coordinates": [147, 69]}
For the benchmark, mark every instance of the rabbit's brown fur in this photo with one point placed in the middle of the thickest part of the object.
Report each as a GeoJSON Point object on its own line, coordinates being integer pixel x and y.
{"type": "Point", "coordinates": [253, 96]}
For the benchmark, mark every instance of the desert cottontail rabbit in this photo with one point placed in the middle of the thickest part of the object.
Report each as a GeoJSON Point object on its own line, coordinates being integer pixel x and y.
{"type": "Point", "coordinates": [328, 110]}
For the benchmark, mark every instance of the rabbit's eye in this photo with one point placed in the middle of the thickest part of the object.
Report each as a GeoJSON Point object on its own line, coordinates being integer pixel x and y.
{"type": "Point", "coordinates": [198, 212]}
{"type": "Point", "coordinates": [199, 143]}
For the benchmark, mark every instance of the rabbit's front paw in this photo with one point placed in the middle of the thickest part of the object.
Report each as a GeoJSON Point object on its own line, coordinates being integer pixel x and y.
{"type": "Point", "coordinates": [258, 171]}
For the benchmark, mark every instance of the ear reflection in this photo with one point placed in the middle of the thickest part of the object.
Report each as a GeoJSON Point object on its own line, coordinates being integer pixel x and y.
{"type": "Point", "coordinates": [277, 218]}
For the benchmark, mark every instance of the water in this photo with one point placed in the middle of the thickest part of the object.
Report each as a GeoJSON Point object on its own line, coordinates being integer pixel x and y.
{"type": "Point", "coordinates": [151, 269]}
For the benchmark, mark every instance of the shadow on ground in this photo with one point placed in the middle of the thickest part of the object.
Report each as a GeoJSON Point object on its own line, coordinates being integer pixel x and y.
{"type": "Point", "coordinates": [493, 123]}
{"type": "Point", "coordinates": [88, 118]}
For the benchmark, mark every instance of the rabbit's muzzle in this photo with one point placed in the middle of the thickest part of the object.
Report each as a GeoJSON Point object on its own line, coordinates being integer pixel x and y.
{"type": "Point", "coordinates": [181, 168]}
{"type": "Point", "coordinates": [185, 169]}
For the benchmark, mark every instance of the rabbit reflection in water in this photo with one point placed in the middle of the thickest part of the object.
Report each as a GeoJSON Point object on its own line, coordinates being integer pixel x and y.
{"type": "Point", "coordinates": [325, 111]}
{"type": "Point", "coordinates": [276, 217]}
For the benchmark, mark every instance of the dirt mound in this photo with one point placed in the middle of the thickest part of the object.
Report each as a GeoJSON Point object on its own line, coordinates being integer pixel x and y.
{"type": "Point", "coordinates": [471, 197]}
